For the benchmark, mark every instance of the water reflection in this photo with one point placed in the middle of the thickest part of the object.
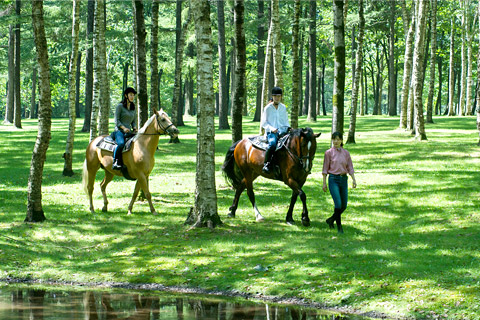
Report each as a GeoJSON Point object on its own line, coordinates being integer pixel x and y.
{"type": "Point", "coordinates": [32, 304]}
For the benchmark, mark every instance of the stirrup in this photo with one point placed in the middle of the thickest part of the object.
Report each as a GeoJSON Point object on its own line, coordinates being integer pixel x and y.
{"type": "Point", "coordinates": [266, 168]}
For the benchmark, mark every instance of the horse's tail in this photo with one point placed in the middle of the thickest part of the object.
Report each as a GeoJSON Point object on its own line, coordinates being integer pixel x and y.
{"type": "Point", "coordinates": [230, 169]}
{"type": "Point", "coordinates": [85, 177]}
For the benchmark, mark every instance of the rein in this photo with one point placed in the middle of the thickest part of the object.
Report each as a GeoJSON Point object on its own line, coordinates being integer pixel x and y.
{"type": "Point", "coordinates": [300, 158]}
{"type": "Point", "coordinates": [157, 133]}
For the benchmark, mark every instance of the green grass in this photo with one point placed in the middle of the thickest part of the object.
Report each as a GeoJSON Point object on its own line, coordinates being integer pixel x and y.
{"type": "Point", "coordinates": [411, 246]}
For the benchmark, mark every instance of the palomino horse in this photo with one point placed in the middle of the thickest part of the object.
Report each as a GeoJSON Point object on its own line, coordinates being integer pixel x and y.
{"type": "Point", "coordinates": [139, 160]}
{"type": "Point", "coordinates": [243, 164]}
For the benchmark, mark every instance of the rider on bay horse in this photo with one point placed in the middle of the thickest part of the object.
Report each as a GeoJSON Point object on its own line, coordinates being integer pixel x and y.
{"type": "Point", "coordinates": [275, 123]}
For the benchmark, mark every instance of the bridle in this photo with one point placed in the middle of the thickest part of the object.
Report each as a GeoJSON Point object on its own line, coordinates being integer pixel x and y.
{"type": "Point", "coordinates": [164, 129]}
{"type": "Point", "coordinates": [300, 159]}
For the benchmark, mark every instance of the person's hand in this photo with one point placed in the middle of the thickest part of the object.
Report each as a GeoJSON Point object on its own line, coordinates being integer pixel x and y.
{"type": "Point", "coordinates": [354, 184]}
{"type": "Point", "coordinates": [274, 130]}
{"type": "Point", "coordinates": [126, 130]}
{"type": "Point", "coordinates": [324, 187]}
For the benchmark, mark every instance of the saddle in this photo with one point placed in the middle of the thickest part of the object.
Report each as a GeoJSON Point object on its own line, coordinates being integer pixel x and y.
{"type": "Point", "coordinates": [108, 143]}
{"type": "Point", "coordinates": [260, 142]}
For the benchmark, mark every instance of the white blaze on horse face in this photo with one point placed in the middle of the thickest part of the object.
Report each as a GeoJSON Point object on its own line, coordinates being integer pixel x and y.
{"type": "Point", "coordinates": [309, 145]}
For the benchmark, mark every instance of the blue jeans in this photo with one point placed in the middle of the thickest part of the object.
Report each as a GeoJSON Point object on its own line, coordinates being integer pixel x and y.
{"type": "Point", "coordinates": [272, 139]}
{"type": "Point", "coordinates": [338, 186]}
{"type": "Point", "coordinates": [120, 140]}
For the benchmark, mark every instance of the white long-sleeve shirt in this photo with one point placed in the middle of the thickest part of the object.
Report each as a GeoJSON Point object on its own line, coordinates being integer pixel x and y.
{"type": "Point", "coordinates": [275, 118]}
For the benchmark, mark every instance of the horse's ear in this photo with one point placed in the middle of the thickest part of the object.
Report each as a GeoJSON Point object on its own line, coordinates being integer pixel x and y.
{"type": "Point", "coordinates": [154, 110]}
{"type": "Point", "coordinates": [317, 135]}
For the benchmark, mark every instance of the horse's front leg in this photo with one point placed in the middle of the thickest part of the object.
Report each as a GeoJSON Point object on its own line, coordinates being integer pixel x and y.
{"type": "Point", "coordinates": [296, 189]}
{"type": "Point", "coordinates": [134, 197]}
{"type": "Point", "coordinates": [234, 206]}
{"type": "Point", "coordinates": [305, 218]}
{"type": "Point", "coordinates": [289, 217]}
{"type": "Point", "coordinates": [143, 181]}
{"type": "Point", "coordinates": [103, 187]}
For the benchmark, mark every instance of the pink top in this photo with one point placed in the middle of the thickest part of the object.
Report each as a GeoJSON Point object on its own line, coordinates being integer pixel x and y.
{"type": "Point", "coordinates": [337, 161]}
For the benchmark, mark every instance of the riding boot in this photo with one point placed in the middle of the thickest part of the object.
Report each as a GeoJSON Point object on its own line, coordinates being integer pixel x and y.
{"type": "Point", "coordinates": [268, 159]}
{"type": "Point", "coordinates": [117, 163]}
{"type": "Point", "coordinates": [332, 219]}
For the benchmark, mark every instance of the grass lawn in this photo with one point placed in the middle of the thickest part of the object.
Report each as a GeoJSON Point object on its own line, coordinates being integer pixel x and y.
{"type": "Point", "coordinates": [411, 246]}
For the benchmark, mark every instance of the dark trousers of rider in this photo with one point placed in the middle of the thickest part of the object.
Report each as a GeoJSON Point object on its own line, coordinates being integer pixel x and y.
{"type": "Point", "coordinates": [120, 140]}
{"type": "Point", "coordinates": [338, 186]}
{"type": "Point", "coordinates": [272, 139]}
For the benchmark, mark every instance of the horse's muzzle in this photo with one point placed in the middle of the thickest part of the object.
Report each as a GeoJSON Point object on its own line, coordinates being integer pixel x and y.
{"type": "Point", "coordinates": [173, 132]}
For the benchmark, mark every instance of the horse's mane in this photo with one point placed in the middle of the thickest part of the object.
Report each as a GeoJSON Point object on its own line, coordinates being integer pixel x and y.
{"type": "Point", "coordinates": [143, 128]}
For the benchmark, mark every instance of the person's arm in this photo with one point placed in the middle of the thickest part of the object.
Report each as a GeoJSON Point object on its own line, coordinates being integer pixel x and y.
{"type": "Point", "coordinates": [326, 165]}
{"type": "Point", "coordinates": [284, 120]}
{"type": "Point", "coordinates": [324, 187]}
{"type": "Point", "coordinates": [354, 182]}
{"type": "Point", "coordinates": [350, 170]}
{"type": "Point", "coordinates": [264, 123]}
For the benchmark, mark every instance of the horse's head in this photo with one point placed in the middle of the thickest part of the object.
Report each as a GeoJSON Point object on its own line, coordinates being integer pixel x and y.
{"type": "Point", "coordinates": [163, 124]}
{"type": "Point", "coordinates": [304, 142]}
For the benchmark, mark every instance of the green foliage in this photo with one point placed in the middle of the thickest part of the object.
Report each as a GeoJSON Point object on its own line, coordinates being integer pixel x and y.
{"type": "Point", "coordinates": [410, 247]}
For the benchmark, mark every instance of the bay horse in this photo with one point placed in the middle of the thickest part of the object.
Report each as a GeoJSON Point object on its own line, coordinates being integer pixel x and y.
{"type": "Point", "coordinates": [244, 162]}
{"type": "Point", "coordinates": [139, 160]}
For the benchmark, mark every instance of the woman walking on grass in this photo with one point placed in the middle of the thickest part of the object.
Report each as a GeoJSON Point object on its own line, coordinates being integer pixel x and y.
{"type": "Point", "coordinates": [336, 164]}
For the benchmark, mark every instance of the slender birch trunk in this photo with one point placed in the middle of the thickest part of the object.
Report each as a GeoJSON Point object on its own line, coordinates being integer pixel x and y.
{"type": "Point", "coordinates": [451, 80]}
{"type": "Point", "coordinates": [34, 199]}
{"type": "Point", "coordinates": [463, 72]}
{"type": "Point", "coordinates": [276, 44]}
{"type": "Point", "coordinates": [296, 65]}
{"type": "Point", "coordinates": [154, 58]}
{"type": "Point", "coordinates": [222, 69]}
{"type": "Point", "coordinates": [433, 57]}
{"type": "Point", "coordinates": [67, 168]}
{"type": "Point", "coordinates": [339, 67]}
{"type": "Point", "coordinates": [358, 74]}
{"type": "Point", "coordinates": [240, 71]}
{"type": "Point", "coordinates": [312, 62]}
{"type": "Point", "coordinates": [407, 68]}
{"type": "Point", "coordinates": [17, 113]}
{"type": "Point", "coordinates": [104, 90]}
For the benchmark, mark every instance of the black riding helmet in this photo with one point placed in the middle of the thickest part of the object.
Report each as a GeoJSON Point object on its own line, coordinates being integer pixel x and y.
{"type": "Point", "coordinates": [276, 91]}
{"type": "Point", "coordinates": [128, 90]}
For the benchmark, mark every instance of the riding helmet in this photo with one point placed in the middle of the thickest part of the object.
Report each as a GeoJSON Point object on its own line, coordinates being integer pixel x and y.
{"type": "Point", "coordinates": [276, 91]}
{"type": "Point", "coordinates": [128, 90]}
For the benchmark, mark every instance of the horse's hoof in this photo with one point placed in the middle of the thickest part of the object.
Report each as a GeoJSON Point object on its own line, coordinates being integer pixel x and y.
{"type": "Point", "coordinates": [290, 222]}
{"type": "Point", "coordinates": [340, 230]}
{"type": "Point", "coordinates": [129, 212]}
{"type": "Point", "coordinates": [260, 219]}
{"type": "Point", "coordinates": [330, 221]}
{"type": "Point", "coordinates": [306, 223]}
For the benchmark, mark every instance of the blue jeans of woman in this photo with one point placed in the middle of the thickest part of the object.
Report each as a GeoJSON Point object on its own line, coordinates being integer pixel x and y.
{"type": "Point", "coordinates": [338, 186]}
{"type": "Point", "coordinates": [272, 139]}
{"type": "Point", "coordinates": [120, 140]}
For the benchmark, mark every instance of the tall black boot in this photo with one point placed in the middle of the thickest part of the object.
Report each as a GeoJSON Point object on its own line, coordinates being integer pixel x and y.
{"type": "Point", "coordinates": [333, 218]}
{"type": "Point", "coordinates": [267, 162]}
{"type": "Point", "coordinates": [339, 220]}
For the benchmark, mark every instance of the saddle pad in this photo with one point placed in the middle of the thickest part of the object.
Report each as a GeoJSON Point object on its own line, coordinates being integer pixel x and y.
{"type": "Point", "coordinates": [261, 142]}
{"type": "Point", "coordinates": [108, 144]}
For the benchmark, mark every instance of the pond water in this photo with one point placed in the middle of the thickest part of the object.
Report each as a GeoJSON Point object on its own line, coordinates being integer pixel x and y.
{"type": "Point", "coordinates": [51, 303]}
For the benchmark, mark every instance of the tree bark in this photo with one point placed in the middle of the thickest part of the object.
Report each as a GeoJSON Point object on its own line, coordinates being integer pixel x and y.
{"type": "Point", "coordinates": [104, 90]}
{"type": "Point", "coordinates": [478, 90]}
{"type": "Point", "coordinates": [277, 44]}
{"type": "Point", "coordinates": [339, 67]}
{"type": "Point", "coordinates": [358, 74]}
{"type": "Point", "coordinates": [260, 58]}
{"type": "Point", "coordinates": [418, 61]}
{"type": "Point", "coordinates": [392, 79]}
{"type": "Point", "coordinates": [463, 74]}
{"type": "Point", "coordinates": [407, 69]}
{"type": "Point", "coordinates": [141, 62]}
{"type": "Point", "coordinates": [204, 213]}
{"type": "Point", "coordinates": [11, 77]}
{"type": "Point", "coordinates": [266, 72]}
{"type": "Point", "coordinates": [469, 84]}
{"type": "Point", "coordinates": [433, 56]}
{"type": "Point", "coordinates": [154, 58]}
{"type": "Point", "coordinates": [67, 168]}
{"type": "Point", "coordinates": [89, 68]}
{"type": "Point", "coordinates": [33, 98]}
{"type": "Point", "coordinates": [17, 115]}
{"type": "Point", "coordinates": [240, 71]}
{"type": "Point", "coordinates": [312, 62]}
{"type": "Point", "coordinates": [451, 83]}
{"type": "Point", "coordinates": [296, 73]}
{"type": "Point", "coordinates": [189, 84]}
{"type": "Point", "coordinates": [34, 199]}
{"type": "Point", "coordinates": [222, 69]}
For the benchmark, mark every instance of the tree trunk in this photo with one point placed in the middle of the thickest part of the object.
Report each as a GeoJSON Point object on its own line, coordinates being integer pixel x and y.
{"type": "Point", "coordinates": [67, 168]}
{"type": "Point", "coordinates": [266, 72]}
{"type": "Point", "coordinates": [478, 90]}
{"type": "Point", "coordinates": [104, 90]}
{"type": "Point", "coordinates": [77, 84]}
{"type": "Point", "coordinates": [277, 44]}
{"type": "Point", "coordinates": [339, 67]}
{"type": "Point", "coordinates": [240, 71]}
{"type": "Point", "coordinates": [312, 62]}
{"type": "Point", "coordinates": [417, 79]}
{"type": "Point", "coordinates": [451, 83]}
{"type": "Point", "coordinates": [358, 74]}
{"type": "Point", "coordinates": [260, 58]}
{"type": "Point", "coordinates": [204, 213]}
{"type": "Point", "coordinates": [407, 70]}
{"type": "Point", "coordinates": [392, 80]}
{"type": "Point", "coordinates": [154, 58]}
{"type": "Point", "coordinates": [222, 69]}
{"type": "Point", "coordinates": [433, 56]}
{"type": "Point", "coordinates": [141, 62]}
{"type": "Point", "coordinates": [324, 108]}
{"type": "Point", "coordinates": [17, 115]}
{"type": "Point", "coordinates": [33, 99]}
{"type": "Point", "coordinates": [189, 84]}
{"type": "Point", "coordinates": [438, 102]}
{"type": "Point", "coordinates": [11, 77]}
{"type": "Point", "coordinates": [34, 199]}
{"type": "Point", "coordinates": [463, 74]}
{"type": "Point", "coordinates": [89, 68]}
{"type": "Point", "coordinates": [469, 84]}
{"type": "Point", "coordinates": [296, 73]}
